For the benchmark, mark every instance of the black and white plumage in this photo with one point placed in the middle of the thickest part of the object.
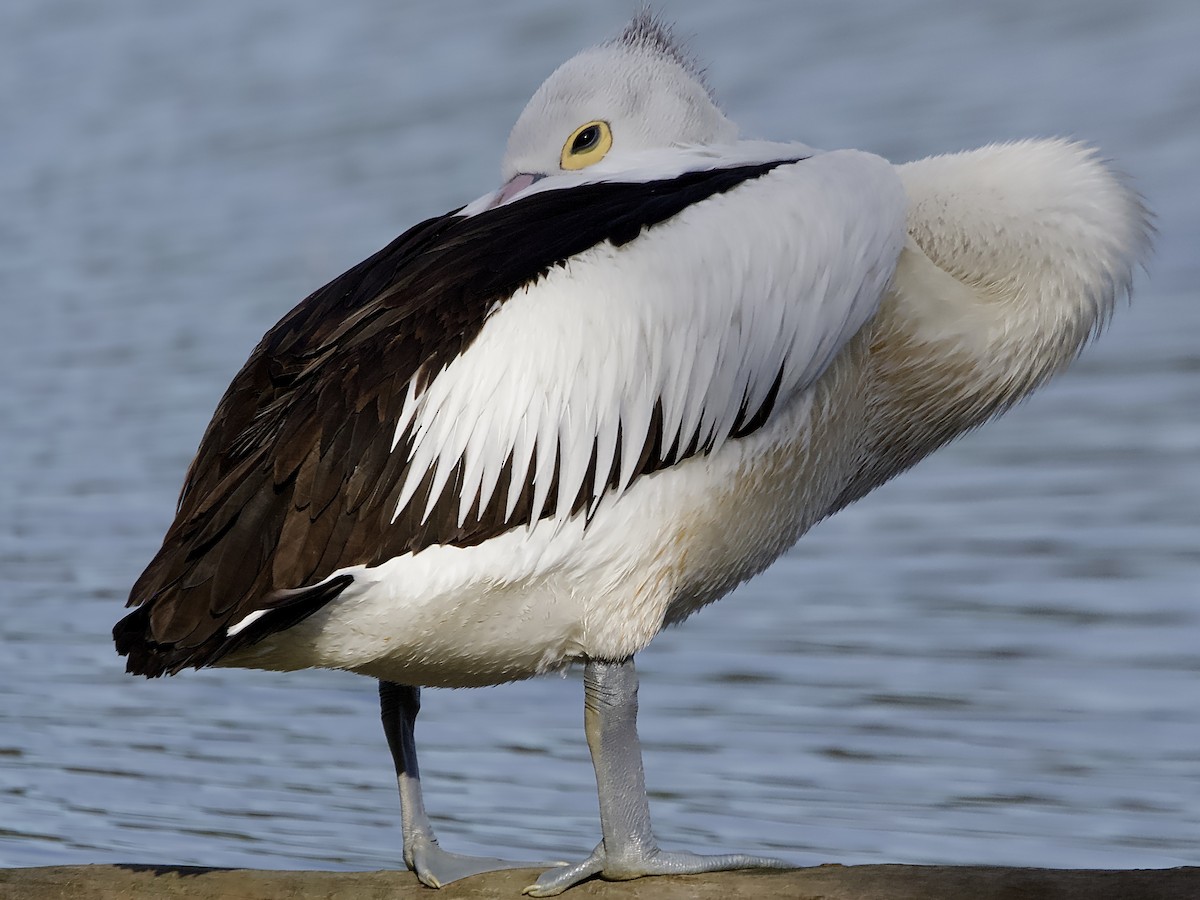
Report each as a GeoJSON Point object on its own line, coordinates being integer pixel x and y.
{"type": "Point", "coordinates": [541, 428]}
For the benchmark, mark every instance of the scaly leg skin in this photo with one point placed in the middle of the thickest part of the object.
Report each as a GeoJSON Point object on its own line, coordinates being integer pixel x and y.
{"type": "Point", "coordinates": [628, 849]}
{"type": "Point", "coordinates": [398, 707]}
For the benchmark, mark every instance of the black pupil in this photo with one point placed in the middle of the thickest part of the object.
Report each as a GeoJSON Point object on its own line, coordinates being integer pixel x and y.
{"type": "Point", "coordinates": [586, 139]}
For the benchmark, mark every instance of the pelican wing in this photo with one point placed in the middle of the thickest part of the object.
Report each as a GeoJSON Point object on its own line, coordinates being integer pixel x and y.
{"type": "Point", "coordinates": [638, 354]}
{"type": "Point", "coordinates": [485, 372]}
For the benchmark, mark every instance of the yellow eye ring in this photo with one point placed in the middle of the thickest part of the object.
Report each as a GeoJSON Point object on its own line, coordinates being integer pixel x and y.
{"type": "Point", "coordinates": [586, 145]}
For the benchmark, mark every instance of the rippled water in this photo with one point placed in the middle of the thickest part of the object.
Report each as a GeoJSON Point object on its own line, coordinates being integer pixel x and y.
{"type": "Point", "coordinates": [995, 659]}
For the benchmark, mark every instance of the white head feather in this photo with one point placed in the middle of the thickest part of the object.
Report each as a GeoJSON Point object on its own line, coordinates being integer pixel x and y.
{"type": "Point", "coordinates": [642, 84]}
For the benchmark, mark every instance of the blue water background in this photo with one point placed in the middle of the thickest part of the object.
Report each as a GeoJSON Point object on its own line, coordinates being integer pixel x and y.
{"type": "Point", "coordinates": [995, 659]}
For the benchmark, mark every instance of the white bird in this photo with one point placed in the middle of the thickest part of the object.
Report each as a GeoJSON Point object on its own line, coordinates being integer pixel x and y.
{"type": "Point", "coordinates": [539, 429]}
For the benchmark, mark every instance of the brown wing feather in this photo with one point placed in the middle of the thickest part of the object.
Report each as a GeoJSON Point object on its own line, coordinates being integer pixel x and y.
{"type": "Point", "coordinates": [259, 504]}
{"type": "Point", "coordinates": [296, 476]}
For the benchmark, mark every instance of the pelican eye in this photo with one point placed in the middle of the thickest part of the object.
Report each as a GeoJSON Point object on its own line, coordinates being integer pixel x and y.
{"type": "Point", "coordinates": [586, 139]}
{"type": "Point", "coordinates": [586, 145]}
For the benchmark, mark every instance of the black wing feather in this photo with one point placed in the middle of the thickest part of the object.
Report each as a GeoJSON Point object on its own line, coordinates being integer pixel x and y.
{"type": "Point", "coordinates": [296, 476]}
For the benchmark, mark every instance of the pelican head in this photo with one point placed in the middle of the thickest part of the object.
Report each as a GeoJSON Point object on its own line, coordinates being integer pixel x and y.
{"type": "Point", "coordinates": [637, 92]}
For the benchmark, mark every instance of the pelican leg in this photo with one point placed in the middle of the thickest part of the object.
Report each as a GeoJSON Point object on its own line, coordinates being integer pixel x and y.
{"type": "Point", "coordinates": [628, 849]}
{"type": "Point", "coordinates": [398, 707]}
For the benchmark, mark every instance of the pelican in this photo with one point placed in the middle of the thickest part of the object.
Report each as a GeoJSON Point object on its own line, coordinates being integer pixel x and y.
{"type": "Point", "coordinates": [537, 430]}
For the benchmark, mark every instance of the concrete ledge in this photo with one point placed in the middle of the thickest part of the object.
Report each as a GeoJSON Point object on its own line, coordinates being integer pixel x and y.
{"type": "Point", "coordinates": [890, 882]}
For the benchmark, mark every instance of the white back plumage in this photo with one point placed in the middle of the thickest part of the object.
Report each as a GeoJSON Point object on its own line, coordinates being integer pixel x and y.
{"type": "Point", "coordinates": [583, 356]}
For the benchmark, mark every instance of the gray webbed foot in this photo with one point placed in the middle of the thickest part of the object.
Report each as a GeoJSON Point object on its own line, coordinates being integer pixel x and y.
{"type": "Point", "coordinates": [435, 867]}
{"type": "Point", "coordinates": [652, 862]}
